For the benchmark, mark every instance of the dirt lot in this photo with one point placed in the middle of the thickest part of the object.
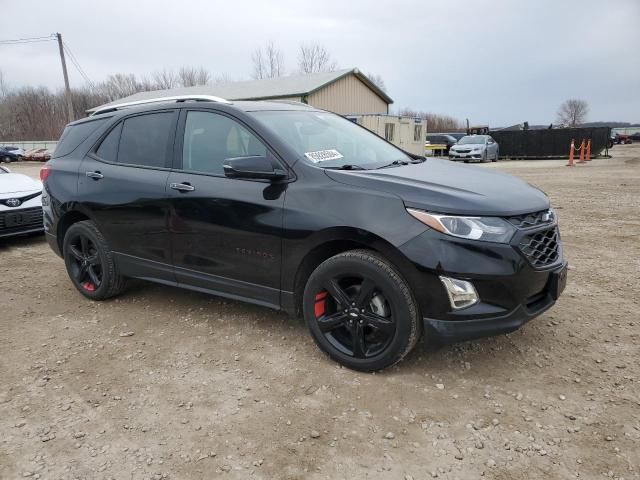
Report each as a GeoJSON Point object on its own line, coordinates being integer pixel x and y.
{"type": "Point", "coordinates": [164, 383]}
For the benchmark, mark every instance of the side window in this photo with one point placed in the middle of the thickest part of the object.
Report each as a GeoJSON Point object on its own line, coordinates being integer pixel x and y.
{"type": "Point", "coordinates": [144, 139]}
{"type": "Point", "coordinates": [74, 135]}
{"type": "Point", "coordinates": [417, 133]}
{"type": "Point", "coordinates": [210, 139]}
{"type": "Point", "coordinates": [108, 149]}
{"type": "Point", "coordinates": [388, 132]}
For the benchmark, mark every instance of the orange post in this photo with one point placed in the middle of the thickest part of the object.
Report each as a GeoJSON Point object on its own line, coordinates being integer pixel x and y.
{"type": "Point", "coordinates": [588, 150]}
{"type": "Point", "coordinates": [582, 152]}
{"type": "Point", "coordinates": [571, 149]}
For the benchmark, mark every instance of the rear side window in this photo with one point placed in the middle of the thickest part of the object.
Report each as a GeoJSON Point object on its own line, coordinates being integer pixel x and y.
{"type": "Point", "coordinates": [144, 139]}
{"type": "Point", "coordinates": [108, 149]}
{"type": "Point", "coordinates": [74, 135]}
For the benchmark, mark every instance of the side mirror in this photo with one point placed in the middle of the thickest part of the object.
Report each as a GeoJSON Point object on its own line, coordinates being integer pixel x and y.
{"type": "Point", "coordinates": [253, 167]}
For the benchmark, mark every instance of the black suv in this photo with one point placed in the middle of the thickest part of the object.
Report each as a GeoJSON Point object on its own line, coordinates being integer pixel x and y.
{"type": "Point", "coordinates": [294, 208]}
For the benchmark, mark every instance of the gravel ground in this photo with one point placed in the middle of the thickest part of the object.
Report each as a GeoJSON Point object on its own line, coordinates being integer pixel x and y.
{"type": "Point", "coordinates": [165, 383]}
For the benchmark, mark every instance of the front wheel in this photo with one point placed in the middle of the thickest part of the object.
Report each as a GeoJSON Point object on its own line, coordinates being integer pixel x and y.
{"type": "Point", "coordinates": [90, 263]}
{"type": "Point", "coordinates": [360, 311]}
{"type": "Point", "coordinates": [5, 159]}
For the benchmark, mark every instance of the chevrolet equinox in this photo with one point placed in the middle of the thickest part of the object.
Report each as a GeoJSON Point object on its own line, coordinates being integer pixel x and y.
{"type": "Point", "coordinates": [297, 209]}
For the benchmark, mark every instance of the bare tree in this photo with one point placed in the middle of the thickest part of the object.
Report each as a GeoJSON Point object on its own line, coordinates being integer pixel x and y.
{"type": "Point", "coordinates": [573, 112]}
{"type": "Point", "coordinates": [192, 76]}
{"type": "Point", "coordinates": [165, 79]}
{"type": "Point", "coordinates": [313, 58]}
{"type": "Point", "coordinates": [436, 123]}
{"type": "Point", "coordinates": [119, 85]}
{"type": "Point", "coordinates": [267, 62]}
{"type": "Point", "coordinates": [377, 80]}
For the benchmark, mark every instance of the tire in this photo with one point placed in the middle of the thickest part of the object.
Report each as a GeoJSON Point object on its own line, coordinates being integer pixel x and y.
{"type": "Point", "coordinates": [90, 262]}
{"type": "Point", "coordinates": [6, 159]}
{"type": "Point", "coordinates": [381, 312]}
{"type": "Point", "coordinates": [485, 159]}
{"type": "Point", "coordinates": [495, 158]}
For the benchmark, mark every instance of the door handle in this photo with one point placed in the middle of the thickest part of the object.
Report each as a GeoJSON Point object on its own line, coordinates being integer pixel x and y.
{"type": "Point", "coordinates": [95, 175]}
{"type": "Point", "coordinates": [182, 187]}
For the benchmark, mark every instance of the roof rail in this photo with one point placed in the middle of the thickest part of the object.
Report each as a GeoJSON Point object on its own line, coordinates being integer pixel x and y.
{"type": "Point", "coordinates": [291, 102]}
{"type": "Point", "coordinates": [176, 98]}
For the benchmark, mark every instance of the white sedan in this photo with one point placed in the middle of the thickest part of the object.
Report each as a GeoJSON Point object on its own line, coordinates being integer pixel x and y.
{"type": "Point", "coordinates": [20, 204]}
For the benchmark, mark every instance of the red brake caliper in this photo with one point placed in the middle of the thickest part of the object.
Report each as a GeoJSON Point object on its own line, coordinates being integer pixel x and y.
{"type": "Point", "coordinates": [88, 286]}
{"type": "Point", "coordinates": [320, 305]}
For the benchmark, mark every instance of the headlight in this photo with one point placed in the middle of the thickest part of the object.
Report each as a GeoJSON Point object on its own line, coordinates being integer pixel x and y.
{"type": "Point", "coordinates": [485, 229]}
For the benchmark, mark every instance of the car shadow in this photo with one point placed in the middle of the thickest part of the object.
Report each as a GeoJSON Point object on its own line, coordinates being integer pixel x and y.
{"type": "Point", "coordinates": [27, 239]}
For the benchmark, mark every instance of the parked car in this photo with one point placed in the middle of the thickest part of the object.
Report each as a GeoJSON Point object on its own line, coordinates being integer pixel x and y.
{"type": "Point", "coordinates": [20, 204]}
{"type": "Point", "coordinates": [456, 135]}
{"type": "Point", "coordinates": [16, 150]}
{"type": "Point", "coordinates": [297, 209]}
{"type": "Point", "coordinates": [37, 155]}
{"type": "Point", "coordinates": [623, 139]}
{"type": "Point", "coordinates": [442, 139]}
{"type": "Point", "coordinates": [475, 147]}
{"type": "Point", "coordinates": [7, 156]}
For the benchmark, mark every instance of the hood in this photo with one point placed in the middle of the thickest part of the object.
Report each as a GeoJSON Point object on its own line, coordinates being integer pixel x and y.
{"type": "Point", "coordinates": [442, 186]}
{"type": "Point", "coordinates": [468, 146]}
{"type": "Point", "coordinates": [16, 182]}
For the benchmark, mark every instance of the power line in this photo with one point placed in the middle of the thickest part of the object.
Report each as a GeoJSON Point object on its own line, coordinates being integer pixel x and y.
{"type": "Point", "coordinates": [77, 64]}
{"type": "Point", "coordinates": [15, 41]}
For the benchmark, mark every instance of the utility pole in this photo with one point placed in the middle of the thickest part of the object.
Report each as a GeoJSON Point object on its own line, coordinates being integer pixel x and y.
{"type": "Point", "coordinates": [66, 79]}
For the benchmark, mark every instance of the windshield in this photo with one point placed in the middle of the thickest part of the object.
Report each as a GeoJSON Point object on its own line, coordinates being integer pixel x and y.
{"type": "Point", "coordinates": [471, 140]}
{"type": "Point", "coordinates": [330, 141]}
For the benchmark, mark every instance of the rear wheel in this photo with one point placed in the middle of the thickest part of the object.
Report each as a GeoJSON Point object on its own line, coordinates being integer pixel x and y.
{"type": "Point", "coordinates": [360, 311]}
{"type": "Point", "coordinates": [90, 263]}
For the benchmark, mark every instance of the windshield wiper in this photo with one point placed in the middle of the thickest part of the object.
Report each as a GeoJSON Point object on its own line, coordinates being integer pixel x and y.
{"type": "Point", "coordinates": [346, 167]}
{"type": "Point", "coordinates": [394, 163]}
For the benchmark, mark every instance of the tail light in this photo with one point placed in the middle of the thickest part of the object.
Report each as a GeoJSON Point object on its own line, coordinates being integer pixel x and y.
{"type": "Point", "coordinates": [45, 171]}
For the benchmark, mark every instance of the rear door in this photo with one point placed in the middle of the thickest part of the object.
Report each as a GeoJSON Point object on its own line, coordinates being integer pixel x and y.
{"type": "Point", "coordinates": [226, 233]}
{"type": "Point", "coordinates": [123, 185]}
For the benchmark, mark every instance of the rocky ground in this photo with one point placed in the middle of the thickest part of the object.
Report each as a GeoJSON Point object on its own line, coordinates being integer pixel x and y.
{"type": "Point", "coordinates": [165, 383]}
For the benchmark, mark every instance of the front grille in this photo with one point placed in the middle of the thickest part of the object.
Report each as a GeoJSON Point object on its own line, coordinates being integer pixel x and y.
{"type": "Point", "coordinates": [541, 248]}
{"type": "Point", "coordinates": [22, 199]}
{"type": "Point", "coordinates": [14, 221]}
{"type": "Point", "coordinates": [463, 151]}
{"type": "Point", "coordinates": [532, 219]}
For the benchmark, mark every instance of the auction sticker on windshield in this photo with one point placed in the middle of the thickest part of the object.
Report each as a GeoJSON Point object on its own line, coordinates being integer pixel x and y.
{"type": "Point", "coordinates": [323, 155]}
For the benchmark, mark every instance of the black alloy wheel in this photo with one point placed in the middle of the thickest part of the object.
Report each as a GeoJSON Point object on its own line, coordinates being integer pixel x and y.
{"type": "Point", "coordinates": [354, 316]}
{"type": "Point", "coordinates": [90, 263]}
{"type": "Point", "coordinates": [85, 265]}
{"type": "Point", "coordinates": [361, 311]}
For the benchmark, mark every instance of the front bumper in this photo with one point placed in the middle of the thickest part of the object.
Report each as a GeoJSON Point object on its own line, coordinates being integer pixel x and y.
{"type": "Point", "coordinates": [465, 156]}
{"type": "Point", "coordinates": [21, 221]}
{"type": "Point", "coordinates": [511, 290]}
{"type": "Point", "coordinates": [448, 331]}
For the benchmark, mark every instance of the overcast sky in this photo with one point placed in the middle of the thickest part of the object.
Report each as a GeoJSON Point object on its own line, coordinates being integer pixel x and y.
{"type": "Point", "coordinates": [497, 62]}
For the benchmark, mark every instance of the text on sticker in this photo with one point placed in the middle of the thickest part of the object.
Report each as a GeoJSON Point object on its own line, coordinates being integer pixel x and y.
{"type": "Point", "coordinates": [323, 155]}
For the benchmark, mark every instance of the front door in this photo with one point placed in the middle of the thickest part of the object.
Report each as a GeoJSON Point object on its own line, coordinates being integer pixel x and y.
{"type": "Point", "coordinates": [123, 185]}
{"type": "Point", "coordinates": [225, 233]}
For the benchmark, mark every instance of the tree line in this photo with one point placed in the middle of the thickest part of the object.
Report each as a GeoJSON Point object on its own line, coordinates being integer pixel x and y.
{"type": "Point", "coordinates": [38, 113]}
